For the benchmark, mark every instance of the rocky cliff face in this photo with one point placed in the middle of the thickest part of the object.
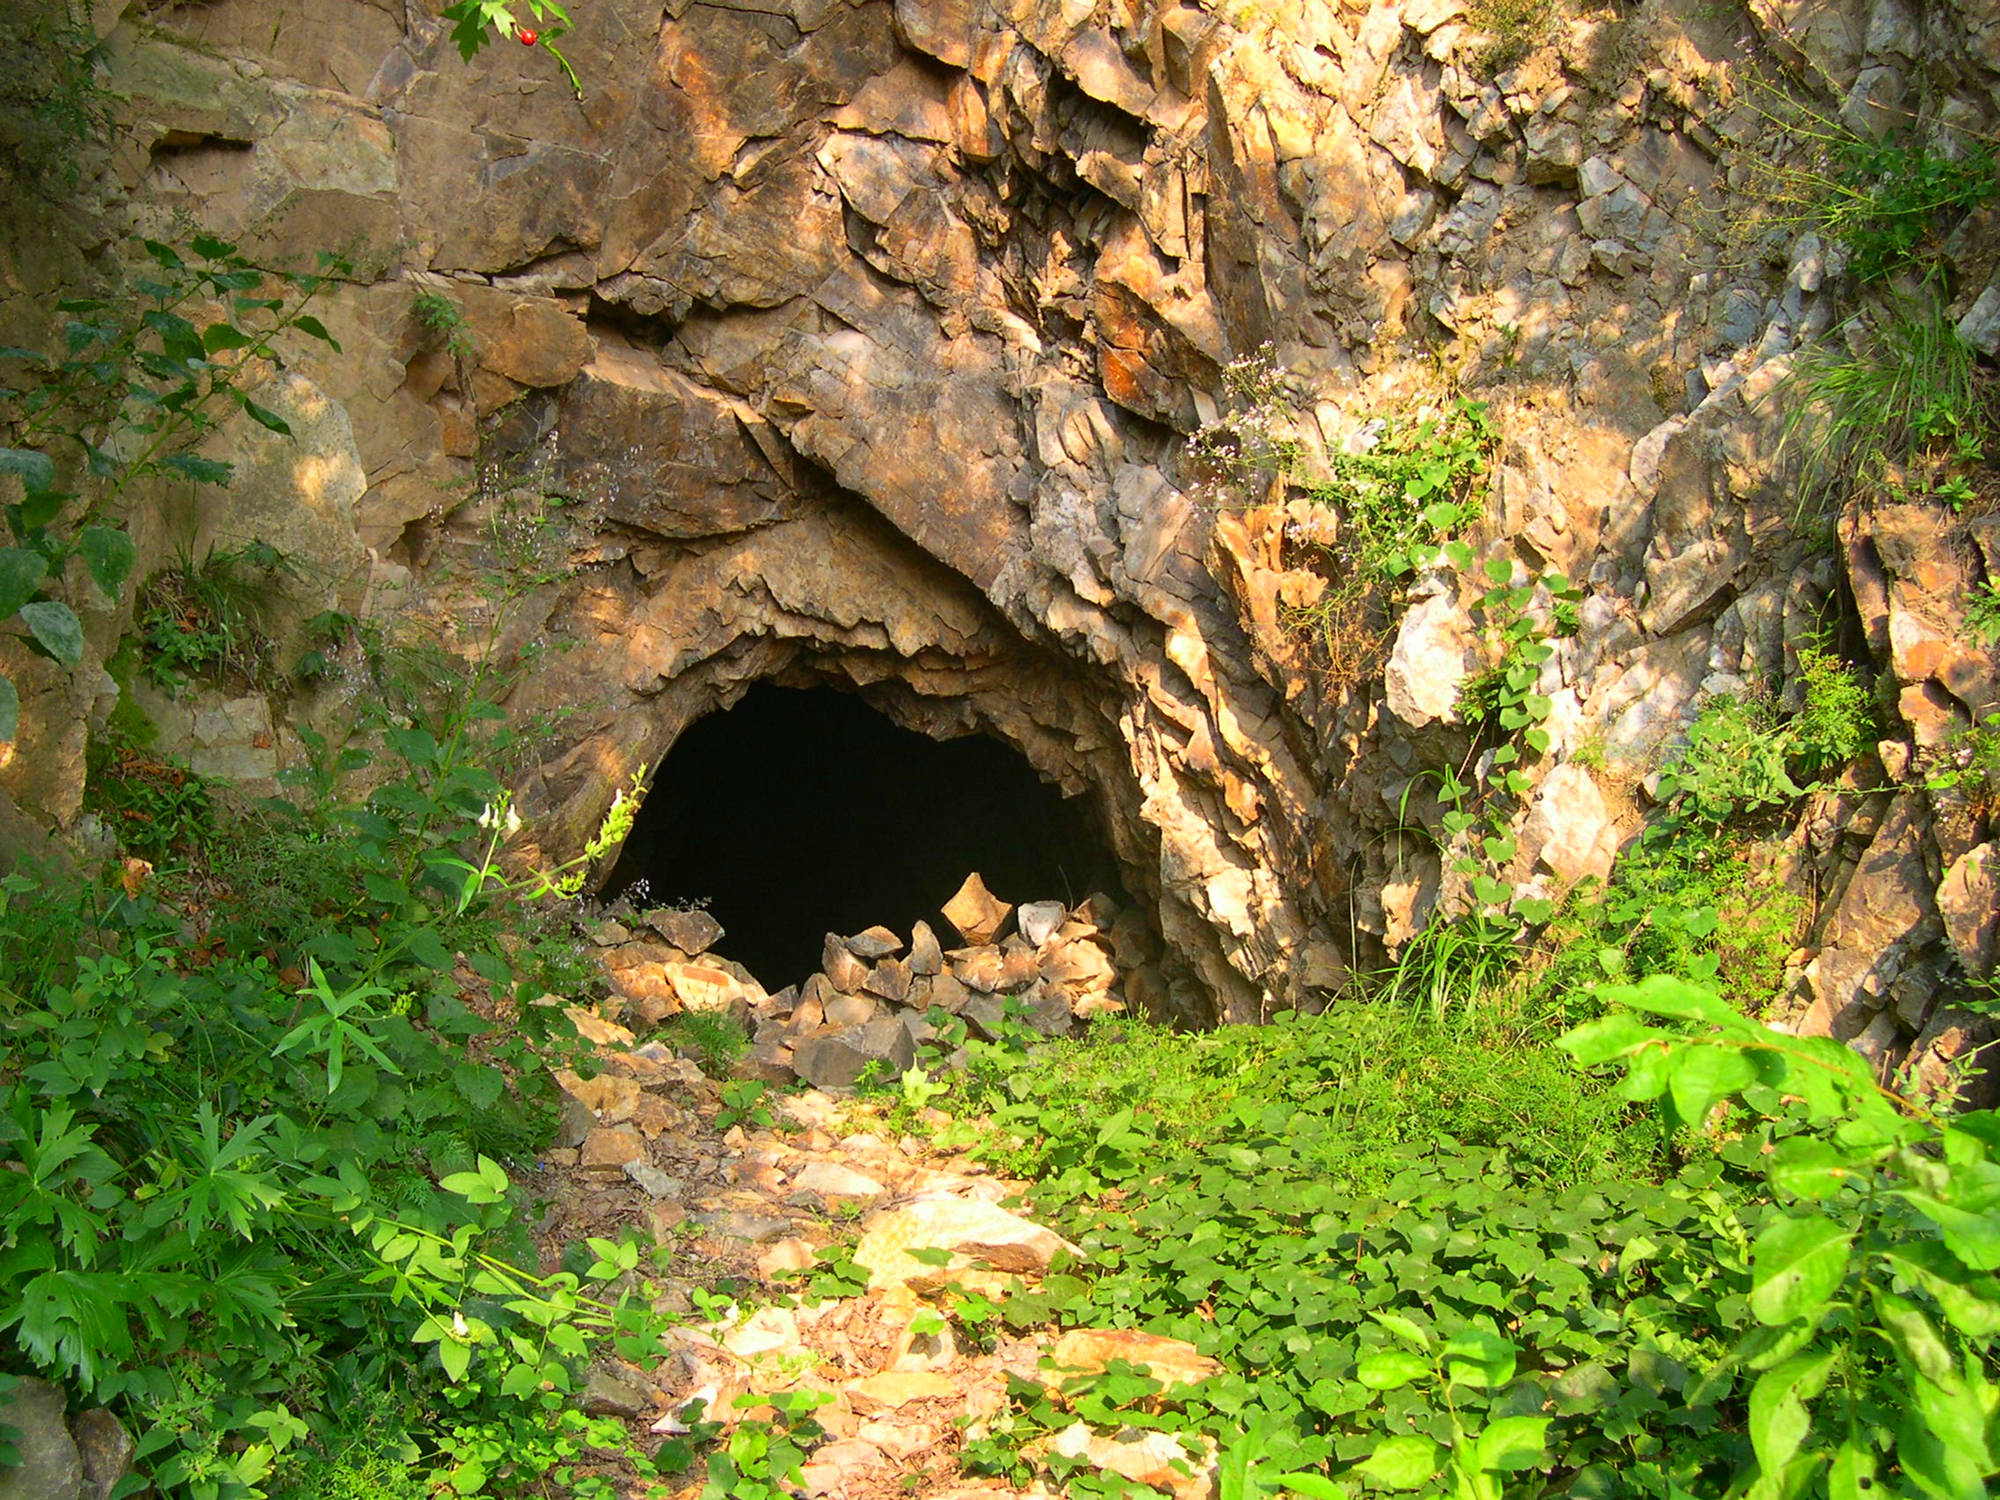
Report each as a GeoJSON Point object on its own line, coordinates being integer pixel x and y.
{"type": "Point", "coordinates": [865, 339]}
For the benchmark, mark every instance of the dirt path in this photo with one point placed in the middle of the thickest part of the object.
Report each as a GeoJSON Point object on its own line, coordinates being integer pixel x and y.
{"type": "Point", "coordinates": [743, 1209]}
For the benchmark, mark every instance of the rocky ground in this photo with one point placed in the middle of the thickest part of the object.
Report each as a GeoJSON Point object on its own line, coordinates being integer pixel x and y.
{"type": "Point", "coordinates": [749, 1194]}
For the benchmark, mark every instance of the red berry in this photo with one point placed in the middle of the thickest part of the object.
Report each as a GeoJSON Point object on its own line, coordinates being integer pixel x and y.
{"type": "Point", "coordinates": [528, 38]}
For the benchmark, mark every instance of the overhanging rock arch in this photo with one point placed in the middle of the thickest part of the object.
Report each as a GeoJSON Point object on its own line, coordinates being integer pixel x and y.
{"type": "Point", "coordinates": [672, 623]}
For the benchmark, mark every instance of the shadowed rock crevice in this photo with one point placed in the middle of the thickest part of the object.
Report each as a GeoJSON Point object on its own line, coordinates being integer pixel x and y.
{"type": "Point", "coordinates": [800, 812]}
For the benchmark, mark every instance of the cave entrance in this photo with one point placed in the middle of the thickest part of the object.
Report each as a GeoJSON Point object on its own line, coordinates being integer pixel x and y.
{"type": "Point", "coordinates": [801, 812]}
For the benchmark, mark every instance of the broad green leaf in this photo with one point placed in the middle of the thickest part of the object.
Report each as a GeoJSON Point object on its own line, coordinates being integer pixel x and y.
{"type": "Point", "coordinates": [1312, 1486]}
{"type": "Point", "coordinates": [36, 473]}
{"type": "Point", "coordinates": [1915, 1337]}
{"type": "Point", "coordinates": [10, 709]}
{"type": "Point", "coordinates": [1852, 1474]}
{"type": "Point", "coordinates": [1779, 1421]}
{"type": "Point", "coordinates": [1971, 1235]}
{"type": "Point", "coordinates": [1607, 1039]}
{"type": "Point", "coordinates": [220, 336]}
{"type": "Point", "coordinates": [1796, 1266]}
{"type": "Point", "coordinates": [1474, 1357]}
{"type": "Point", "coordinates": [1971, 1300]}
{"type": "Point", "coordinates": [1402, 1463]}
{"type": "Point", "coordinates": [1391, 1368]}
{"type": "Point", "coordinates": [1511, 1443]}
{"type": "Point", "coordinates": [306, 323]}
{"type": "Point", "coordinates": [1664, 995]}
{"type": "Point", "coordinates": [1499, 569]}
{"type": "Point", "coordinates": [1699, 1075]}
{"type": "Point", "coordinates": [1804, 1166]}
{"type": "Point", "coordinates": [21, 574]}
{"type": "Point", "coordinates": [263, 416]}
{"type": "Point", "coordinates": [109, 554]}
{"type": "Point", "coordinates": [56, 626]}
{"type": "Point", "coordinates": [455, 1356]}
{"type": "Point", "coordinates": [1406, 1329]}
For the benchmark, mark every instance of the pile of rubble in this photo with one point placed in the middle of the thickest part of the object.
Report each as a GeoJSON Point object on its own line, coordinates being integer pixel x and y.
{"type": "Point", "coordinates": [875, 1001]}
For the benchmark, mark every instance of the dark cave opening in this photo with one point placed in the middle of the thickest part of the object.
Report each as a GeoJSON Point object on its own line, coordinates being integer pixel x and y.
{"type": "Point", "coordinates": [802, 812]}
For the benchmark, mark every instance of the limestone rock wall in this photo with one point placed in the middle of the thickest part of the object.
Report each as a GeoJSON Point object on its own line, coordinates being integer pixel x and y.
{"type": "Point", "coordinates": [864, 338]}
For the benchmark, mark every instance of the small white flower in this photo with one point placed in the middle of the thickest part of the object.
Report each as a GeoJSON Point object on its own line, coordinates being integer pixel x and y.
{"type": "Point", "coordinates": [513, 822]}
{"type": "Point", "coordinates": [488, 816]}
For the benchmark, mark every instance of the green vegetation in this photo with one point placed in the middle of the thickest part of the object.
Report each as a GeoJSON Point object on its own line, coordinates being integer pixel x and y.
{"type": "Point", "coordinates": [51, 104]}
{"type": "Point", "coordinates": [1396, 499]}
{"type": "Point", "coordinates": [1896, 399]}
{"type": "Point", "coordinates": [134, 390]}
{"type": "Point", "coordinates": [213, 616]}
{"type": "Point", "coordinates": [1892, 202]}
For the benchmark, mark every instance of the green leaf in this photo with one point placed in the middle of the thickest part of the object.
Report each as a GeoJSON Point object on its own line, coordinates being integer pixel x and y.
{"type": "Point", "coordinates": [200, 470]}
{"type": "Point", "coordinates": [220, 336]}
{"type": "Point", "coordinates": [1804, 1166]}
{"type": "Point", "coordinates": [21, 575]}
{"type": "Point", "coordinates": [1499, 569]}
{"type": "Point", "coordinates": [1973, 1236]}
{"type": "Point", "coordinates": [1796, 1266]}
{"type": "Point", "coordinates": [177, 335]}
{"type": "Point", "coordinates": [1406, 1329]}
{"type": "Point", "coordinates": [1474, 1357]}
{"type": "Point", "coordinates": [1779, 1421]}
{"type": "Point", "coordinates": [263, 416]}
{"type": "Point", "coordinates": [1401, 1463]}
{"type": "Point", "coordinates": [109, 554]}
{"type": "Point", "coordinates": [307, 324]}
{"type": "Point", "coordinates": [1971, 1300]}
{"type": "Point", "coordinates": [1700, 1074]}
{"type": "Point", "coordinates": [1852, 1474]}
{"type": "Point", "coordinates": [1391, 1368]}
{"type": "Point", "coordinates": [1511, 1443]}
{"type": "Point", "coordinates": [1664, 995]}
{"type": "Point", "coordinates": [10, 709]}
{"type": "Point", "coordinates": [455, 1356]}
{"type": "Point", "coordinates": [55, 625]}
{"type": "Point", "coordinates": [35, 471]}
{"type": "Point", "coordinates": [1601, 1041]}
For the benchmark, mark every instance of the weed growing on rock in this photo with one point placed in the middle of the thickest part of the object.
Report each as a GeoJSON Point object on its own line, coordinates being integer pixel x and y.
{"type": "Point", "coordinates": [213, 616]}
{"type": "Point", "coordinates": [1894, 399]}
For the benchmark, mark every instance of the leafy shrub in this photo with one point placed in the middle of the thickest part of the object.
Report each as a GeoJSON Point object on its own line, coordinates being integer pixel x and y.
{"type": "Point", "coordinates": [1296, 1199]}
{"type": "Point", "coordinates": [1836, 722]}
{"type": "Point", "coordinates": [1893, 201]}
{"type": "Point", "coordinates": [247, 1157]}
{"type": "Point", "coordinates": [136, 387]}
{"type": "Point", "coordinates": [1870, 1344]}
{"type": "Point", "coordinates": [1736, 762]}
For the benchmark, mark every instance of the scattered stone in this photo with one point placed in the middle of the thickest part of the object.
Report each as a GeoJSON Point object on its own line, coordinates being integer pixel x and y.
{"type": "Point", "coordinates": [976, 912]}
{"type": "Point", "coordinates": [611, 1148]}
{"type": "Point", "coordinates": [1150, 1458]}
{"type": "Point", "coordinates": [610, 1097]}
{"type": "Point", "coordinates": [880, 1393]}
{"type": "Point", "coordinates": [608, 1393]}
{"type": "Point", "coordinates": [835, 1183]}
{"type": "Point", "coordinates": [890, 979]}
{"type": "Point", "coordinates": [1038, 921]}
{"type": "Point", "coordinates": [836, 1059]}
{"type": "Point", "coordinates": [694, 932]}
{"type": "Point", "coordinates": [851, 1010]}
{"type": "Point", "coordinates": [876, 942]}
{"type": "Point", "coordinates": [1969, 901]}
{"type": "Point", "coordinates": [842, 969]}
{"type": "Point", "coordinates": [926, 957]}
{"type": "Point", "coordinates": [49, 1468]}
{"type": "Point", "coordinates": [785, 1257]}
{"type": "Point", "coordinates": [656, 1183]}
{"type": "Point", "coordinates": [105, 1449]}
{"type": "Point", "coordinates": [1090, 1351]}
{"type": "Point", "coordinates": [971, 1230]}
